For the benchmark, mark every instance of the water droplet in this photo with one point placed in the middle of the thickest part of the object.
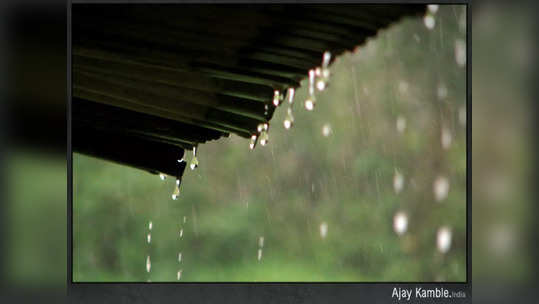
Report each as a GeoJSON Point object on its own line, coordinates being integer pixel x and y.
{"type": "Point", "coordinates": [179, 257]}
{"type": "Point", "coordinates": [429, 21]}
{"type": "Point", "coordinates": [184, 219]}
{"type": "Point", "coordinates": [176, 192]}
{"type": "Point", "coordinates": [252, 143]}
{"type": "Point", "coordinates": [403, 87]}
{"type": "Point", "coordinates": [264, 138]}
{"type": "Point", "coordinates": [326, 58]}
{"type": "Point", "coordinates": [446, 138]}
{"type": "Point", "coordinates": [441, 91]}
{"type": "Point", "coordinates": [276, 98]}
{"type": "Point", "coordinates": [400, 223]}
{"type": "Point", "coordinates": [433, 8]}
{"type": "Point", "coordinates": [443, 239]}
{"type": "Point", "coordinates": [194, 161]}
{"type": "Point", "coordinates": [401, 124]}
{"type": "Point", "coordinates": [460, 52]}
{"type": "Point", "coordinates": [259, 254]}
{"type": "Point", "coordinates": [149, 238]}
{"type": "Point", "coordinates": [150, 225]}
{"type": "Point", "coordinates": [462, 116]}
{"type": "Point", "coordinates": [398, 182]}
{"type": "Point", "coordinates": [309, 104]}
{"type": "Point", "coordinates": [289, 120]}
{"type": "Point", "coordinates": [323, 230]}
{"type": "Point", "coordinates": [417, 38]}
{"type": "Point", "coordinates": [162, 176]}
{"type": "Point", "coordinates": [148, 264]}
{"type": "Point", "coordinates": [179, 274]}
{"type": "Point", "coordinates": [441, 188]}
{"type": "Point", "coordinates": [311, 82]}
{"type": "Point", "coordinates": [326, 130]}
{"type": "Point", "coordinates": [261, 241]}
{"type": "Point", "coordinates": [181, 233]}
{"type": "Point", "coordinates": [291, 92]}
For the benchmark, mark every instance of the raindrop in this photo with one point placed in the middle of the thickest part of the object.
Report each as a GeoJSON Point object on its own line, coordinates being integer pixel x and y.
{"type": "Point", "coordinates": [417, 38]}
{"type": "Point", "coordinates": [181, 233]}
{"type": "Point", "coordinates": [443, 239]}
{"type": "Point", "coordinates": [321, 85]}
{"type": "Point", "coordinates": [289, 120]}
{"type": "Point", "coordinates": [149, 237]}
{"type": "Point", "coordinates": [261, 242]}
{"type": "Point", "coordinates": [150, 225]}
{"type": "Point", "coordinates": [252, 143]}
{"type": "Point", "coordinates": [323, 230]}
{"type": "Point", "coordinates": [259, 254]}
{"type": "Point", "coordinates": [179, 257]}
{"type": "Point", "coordinates": [176, 192]}
{"type": "Point", "coordinates": [148, 264]}
{"type": "Point", "coordinates": [403, 87]}
{"type": "Point", "coordinates": [194, 161]}
{"type": "Point", "coordinates": [309, 104]}
{"type": "Point", "coordinates": [433, 8]}
{"type": "Point", "coordinates": [398, 181]}
{"type": "Point", "coordinates": [276, 98]}
{"type": "Point", "coordinates": [462, 116]}
{"type": "Point", "coordinates": [264, 137]}
{"type": "Point", "coordinates": [326, 130]}
{"type": "Point", "coordinates": [401, 124]}
{"type": "Point", "coordinates": [460, 52]}
{"type": "Point", "coordinates": [441, 91]}
{"type": "Point", "coordinates": [400, 223]}
{"type": "Point", "coordinates": [310, 101]}
{"type": "Point", "coordinates": [441, 188]}
{"type": "Point", "coordinates": [184, 219]}
{"type": "Point", "coordinates": [179, 274]}
{"type": "Point", "coordinates": [326, 58]}
{"type": "Point", "coordinates": [291, 92]}
{"type": "Point", "coordinates": [162, 176]}
{"type": "Point", "coordinates": [429, 21]}
{"type": "Point", "coordinates": [446, 138]}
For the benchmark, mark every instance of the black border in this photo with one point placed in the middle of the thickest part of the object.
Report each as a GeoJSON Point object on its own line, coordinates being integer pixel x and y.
{"type": "Point", "coordinates": [264, 292]}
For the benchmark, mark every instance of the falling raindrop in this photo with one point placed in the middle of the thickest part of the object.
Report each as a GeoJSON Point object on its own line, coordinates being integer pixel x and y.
{"type": "Point", "coordinates": [289, 120]}
{"type": "Point", "coordinates": [323, 230]}
{"type": "Point", "coordinates": [264, 137]}
{"type": "Point", "coordinates": [194, 161]}
{"type": "Point", "coordinates": [433, 8]}
{"type": "Point", "coordinates": [403, 87]}
{"type": "Point", "coordinates": [148, 264]}
{"type": "Point", "coordinates": [149, 237]}
{"type": "Point", "coordinates": [429, 21]}
{"type": "Point", "coordinates": [179, 274]}
{"type": "Point", "coordinates": [291, 92]}
{"type": "Point", "coordinates": [462, 116]}
{"type": "Point", "coordinates": [162, 176]}
{"type": "Point", "coordinates": [261, 241]}
{"type": "Point", "coordinates": [460, 52]}
{"type": "Point", "coordinates": [326, 130]}
{"type": "Point", "coordinates": [150, 225]}
{"type": "Point", "coordinates": [181, 233]}
{"type": "Point", "coordinates": [400, 223]}
{"type": "Point", "coordinates": [401, 124]}
{"type": "Point", "coordinates": [259, 254]}
{"type": "Point", "coordinates": [310, 101]}
{"type": "Point", "coordinates": [443, 239]}
{"type": "Point", "coordinates": [184, 219]}
{"type": "Point", "coordinates": [176, 192]}
{"type": "Point", "coordinates": [446, 138]}
{"type": "Point", "coordinates": [309, 104]}
{"type": "Point", "coordinates": [398, 181]}
{"type": "Point", "coordinates": [179, 257]}
{"type": "Point", "coordinates": [252, 143]}
{"type": "Point", "coordinates": [276, 98]}
{"type": "Point", "coordinates": [181, 168]}
{"type": "Point", "coordinates": [441, 188]}
{"type": "Point", "coordinates": [266, 109]}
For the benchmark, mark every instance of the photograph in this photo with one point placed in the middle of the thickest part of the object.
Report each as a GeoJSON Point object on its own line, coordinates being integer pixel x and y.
{"type": "Point", "coordinates": [264, 143]}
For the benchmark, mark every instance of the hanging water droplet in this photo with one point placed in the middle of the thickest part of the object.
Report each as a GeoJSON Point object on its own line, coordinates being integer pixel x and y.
{"type": "Point", "coordinates": [400, 223]}
{"type": "Point", "coordinates": [323, 230]}
{"type": "Point", "coordinates": [291, 93]}
{"type": "Point", "coordinates": [194, 161]}
{"type": "Point", "coordinates": [162, 176]}
{"type": "Point", "coordinates": [179, 257]}
{"type": "Point", "coordinates": [441, 188]}
{"type": "Point", "coordinates": [149, 237]}
{"type": "Point", "coordinates": [398, 182]}
{"type": "Point", "coordinates": [252, 143]}
{"type": "Point", "coordinates": [443, 239]}
{"type": "Point", "coordinates": [433, 8]}
{"type": "Point", "coordinates": [148, 264]}
{"type": "Point", "coordinates": [259, 254]}
{"type": "Point", "coordinates": [276, 98]}
{"type": "Point", "coordinates": [176, 192]}
{"type": "Point", "coordinates": [179, 274]}
{"type": "Point", "coordinates": [264, 138]}
{"type": "Point", "coordinates": [429, 21]}
{"type": "Point", "coordinates": [289, 119]}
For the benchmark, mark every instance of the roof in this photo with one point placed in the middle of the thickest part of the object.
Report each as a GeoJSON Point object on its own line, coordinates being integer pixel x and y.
{"type": "Point", "coordinates": [152, 80]}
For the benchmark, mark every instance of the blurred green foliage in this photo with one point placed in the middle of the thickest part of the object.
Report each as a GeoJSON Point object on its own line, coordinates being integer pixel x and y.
{"type": "Point", "coordinates": [303, 180]}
